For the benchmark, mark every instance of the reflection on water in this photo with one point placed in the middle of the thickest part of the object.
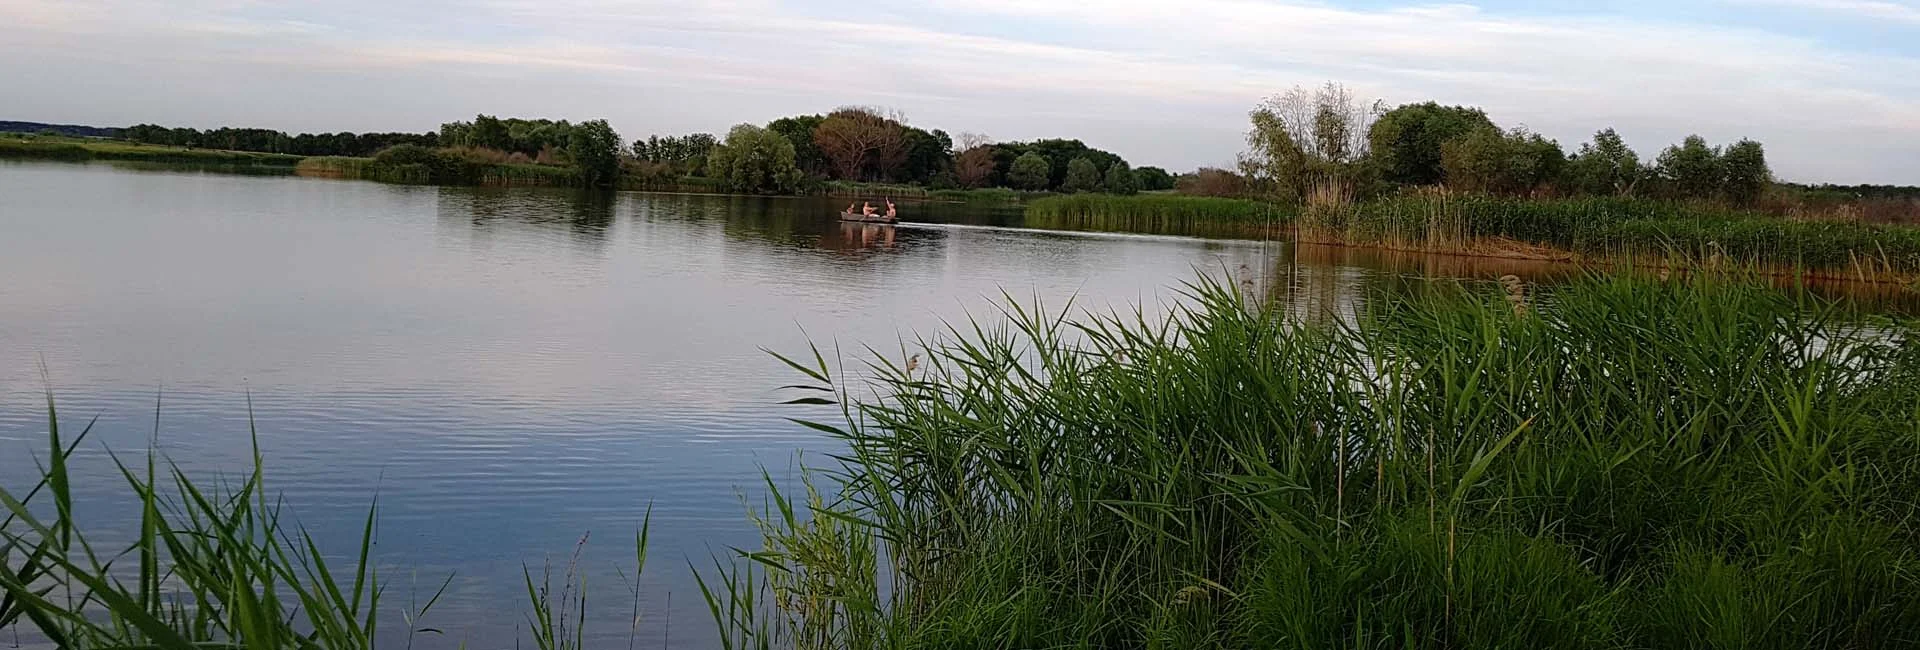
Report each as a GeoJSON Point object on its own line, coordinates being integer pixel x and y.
{"type": "Point", "coordinates": [512, 369]}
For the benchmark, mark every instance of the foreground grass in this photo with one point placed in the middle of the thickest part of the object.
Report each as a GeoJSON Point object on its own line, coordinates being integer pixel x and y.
{"type": "Point", "coordinates": [215, 566]}
{"type": "Point", "coordinates": [1616, 464]}
{"type": "Point", "coordinates": [81, 149]}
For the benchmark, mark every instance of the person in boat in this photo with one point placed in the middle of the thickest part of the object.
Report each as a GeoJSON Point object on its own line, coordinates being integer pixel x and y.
{"type": "Point", "coordinates": [891, 212]}
{"type": "Point", "coordinates": [866, 209]}
{"type": "Point", "coordinates": [850, 207]}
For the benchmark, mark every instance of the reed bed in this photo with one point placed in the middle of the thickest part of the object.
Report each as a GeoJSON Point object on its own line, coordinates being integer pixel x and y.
{"type": "Point", "coordinates": [681, 184]}
{"type": "Point", "coordinates": [440, 168]}
{"type": "Point", "coordinates": [48, 148]}
{"type": "Point", "coordinates": [1164, 214]}
{"type": "Point", "coordinates": [1612, 228]}
{"type": "Point", "coordinates": [985, 196]}
{"type": "Point", "coordinates": [1614, 463]}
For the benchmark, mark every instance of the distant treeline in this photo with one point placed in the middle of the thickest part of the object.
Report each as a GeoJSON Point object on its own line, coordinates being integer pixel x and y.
{"type": "Point", "coordinates": [867, 144]}
{"type": "Point", "coordinates": [1323, 146]}
{"type": "Point", "coordinates": [73, 130]}
{"type": "Point", "coordinates": [271, 141]}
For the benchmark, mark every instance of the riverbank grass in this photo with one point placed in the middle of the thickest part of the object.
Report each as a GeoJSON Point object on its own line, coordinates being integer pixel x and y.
{"type": "Point", "coordinates": [1617, 463]}
{"type": "Point", "coordinates": [44, 147]}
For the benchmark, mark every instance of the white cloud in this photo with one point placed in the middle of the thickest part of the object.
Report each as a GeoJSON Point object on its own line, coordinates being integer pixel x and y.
{"type": "Point", "coordinates": [1874, 9]}
{"type": "Point", "coordinates": [1165, 83]}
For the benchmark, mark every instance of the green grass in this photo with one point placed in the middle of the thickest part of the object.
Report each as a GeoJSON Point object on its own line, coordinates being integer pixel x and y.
{"type": "Point", "coordinates": [63, 148]}
{"type": "Point", "coordinates": [981, 196]}
{"type": "Point", "coordinates": [1165, 214]}
{"type": "Point", "coordinates": [1617, 463]}
{"type": "Point", "coordinates": [683, 184]}
{"type": "Point", "coordinates": [986, 196]}
{"type": "Point", "coordinates": [443, 170]}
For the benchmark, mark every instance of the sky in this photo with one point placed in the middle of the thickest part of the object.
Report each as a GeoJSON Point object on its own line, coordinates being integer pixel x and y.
{"type": "Point", "coordinates": [1831, 87]}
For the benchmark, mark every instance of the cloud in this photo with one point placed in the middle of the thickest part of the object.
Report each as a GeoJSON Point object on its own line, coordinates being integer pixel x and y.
{"type": "Point", "coordinates": [1165, 83]}
{"type": "Point", "coordinates": [1873, 9]}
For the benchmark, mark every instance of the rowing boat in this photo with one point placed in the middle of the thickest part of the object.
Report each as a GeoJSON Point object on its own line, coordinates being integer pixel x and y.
{"type": "Point", "coordinates": [867, 218]}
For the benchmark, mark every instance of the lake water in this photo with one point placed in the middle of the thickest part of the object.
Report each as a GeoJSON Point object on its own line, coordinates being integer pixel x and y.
{"type": "Point", "coordinates": [510, 370]}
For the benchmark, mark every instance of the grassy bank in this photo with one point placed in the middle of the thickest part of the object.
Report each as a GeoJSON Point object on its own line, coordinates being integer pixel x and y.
{"type": "Point", "coordinates": [1165, 214]}
{"type": "Point", "coordinates": [1607, 228]}
{"type": "Point", "coordinates": [1615, 464]}
{"type": "Point", "coordinates": [1590, 229]}
{"type": "Point", "coordinates": [81, 149]}
{"type": "Point", "coordinates": [981, 196]}
{"type": "Point", "coordinates": [439, 168]}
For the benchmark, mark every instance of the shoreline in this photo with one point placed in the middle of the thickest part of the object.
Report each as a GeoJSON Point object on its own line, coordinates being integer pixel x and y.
{"type": "Point", "coordinates": [1283, 229]}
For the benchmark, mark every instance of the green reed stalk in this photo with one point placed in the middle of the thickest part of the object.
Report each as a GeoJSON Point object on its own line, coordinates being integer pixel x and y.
{"type": "Point", "coordinates": [1619, 463]}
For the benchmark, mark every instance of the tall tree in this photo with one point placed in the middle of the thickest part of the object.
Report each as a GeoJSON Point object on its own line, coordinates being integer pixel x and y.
{"type": "Point", "coordinates": [799, 130]}
{"type": "Point", "coordinates": [862, 143]}
{"type": "Point", "coordinates": [1515, 162]}
{"type": "Point", "coordinates": [1604, 166]}
{"type": "Point", "coordinates": [1119, 179]}
{"type": "Point", "coordinates": [1406, 141]}
{"type": "Point", "coordinates": [754, 160]}
{"type": "Point", "coordinates": [1304, 140]}
{"type": "Point", "coordinates": [1153, 179]}
{"type": "Point", "coordinates": [928, 153]}
{"type": "Point", "coordinates": [974, 166]}
{"type": "Point", "coordinates": [1744, 165]}
{"type": "Point", "coordinates": [1690, 170]}
{"type": "Point", "coordinates": [595, 148]}
{"type": "Point", "coordinates": [1082, 176]}
{"type": "Point", "coordinates": [488, 131]}
{"type": "Point", "coordinates": [1030, 172]}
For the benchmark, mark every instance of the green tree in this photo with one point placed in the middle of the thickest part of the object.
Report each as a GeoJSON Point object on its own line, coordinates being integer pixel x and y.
{"type": "Point", "coordinates": [1030, 172]}
{"type": "Point", "coordinates": [1082, 176]}
{"type": "Point", "coordinates": [1305, 141]}
{"type": "Point", "coordinates": [595, 148]}
{"type": "Point", "coordinates": [928, 153]}
{"type": "Point", "coordinates": [754, 160]}
{"type": "Point", "coordinates": [1119, 179]}
{"type": "Point", "coordinates": [1690, 170]}
{"type": "Point", "coordinates": [1152, 179]}
{"type": "Point", "coordinates": [1744, 166]}
{"type": "Point", "coordinates": [1406, 141]}
{"type": "Point", "coordinates": [1487, 160]}
{"type": "Point", "coordinates": [488, 131]}
{"type": "Point", "coordinates": [1059, 153]}
{"type": "Point", "coordinates": [799, 130]}
{"type": "Point", "coordinates": [1604, 167]}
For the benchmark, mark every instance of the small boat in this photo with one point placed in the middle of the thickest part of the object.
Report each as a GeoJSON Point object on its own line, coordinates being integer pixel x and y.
{"type": "Point", "coordinates": [868, 218]}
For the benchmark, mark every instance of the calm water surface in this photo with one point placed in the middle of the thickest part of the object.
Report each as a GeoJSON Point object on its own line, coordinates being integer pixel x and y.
{"type": "Point", "coordinates": [510, 370]}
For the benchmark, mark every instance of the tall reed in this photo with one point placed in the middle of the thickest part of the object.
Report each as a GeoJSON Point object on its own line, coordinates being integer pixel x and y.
{"type": "Point", "coordinates": [1155, 214]}
{"type": "Point", "coordinates": [1617, 463]}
